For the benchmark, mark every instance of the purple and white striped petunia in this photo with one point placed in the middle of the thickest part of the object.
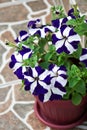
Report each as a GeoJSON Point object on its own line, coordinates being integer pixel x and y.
{"type": "Point", "coordinates": [17, 61]}
{"type": "Point", "coordinates": [57, 23]}
{"type": "Point", "coordinates": [35, 28]}
{"type": "Point", "coordinates": [37, 80]}
{"type": "Point", "coordinates": [83, 57]}
{"type": "Point", "coordinates": [34, 24]}
{"type": "Point", "coordinates": [58, 83]}
{"type": "Point", "coordinates": [66, 40]}
{"type": "Point", "coordinates": [23, 35]}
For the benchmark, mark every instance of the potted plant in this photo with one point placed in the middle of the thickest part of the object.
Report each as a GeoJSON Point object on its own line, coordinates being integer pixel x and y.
{"type": "Point", "coordinates": [52, 65]}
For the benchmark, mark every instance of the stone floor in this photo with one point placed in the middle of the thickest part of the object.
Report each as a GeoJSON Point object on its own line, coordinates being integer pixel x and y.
{"type": "Point", "coordinates": [16, 106]}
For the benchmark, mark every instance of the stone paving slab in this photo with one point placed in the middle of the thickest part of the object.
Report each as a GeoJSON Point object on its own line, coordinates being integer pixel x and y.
{"type": "Point", "coordinates": [16, 106]}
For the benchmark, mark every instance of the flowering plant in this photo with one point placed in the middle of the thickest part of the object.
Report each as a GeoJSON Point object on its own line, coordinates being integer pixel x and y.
{"type": "Point", "coordinates": [50, 60]}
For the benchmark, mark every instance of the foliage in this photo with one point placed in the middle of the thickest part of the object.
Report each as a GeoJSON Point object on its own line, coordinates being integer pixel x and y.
{"type": "Point", "coordinates": [50, 60]}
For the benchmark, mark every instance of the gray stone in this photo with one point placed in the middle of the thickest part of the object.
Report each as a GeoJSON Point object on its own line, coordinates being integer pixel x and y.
{"type": "Point", "coordinates": [23, 109]}
{"type": "Point", "coordinates": [10, 122]}
{"type": "Point", "coordinates": [2, 50]}
{"type": "Point", "coordinates": [37, 5]}
{"type": "Point", "coordinates": [19, 27]}
{"type": "Point", "coordinates": [3, 93]}
{"type": "Point", "coordinates": [13, 13]}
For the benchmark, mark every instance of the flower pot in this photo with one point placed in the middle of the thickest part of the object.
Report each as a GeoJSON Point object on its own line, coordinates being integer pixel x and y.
{"type": "Point", "coordinates": [61, 114]}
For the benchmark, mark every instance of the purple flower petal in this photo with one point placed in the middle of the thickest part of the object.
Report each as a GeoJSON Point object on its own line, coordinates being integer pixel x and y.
{"type": "Point", "coordinates": [33, 23]}
{"type": "Point", "coordinates": [47, 80]}
{"type": "Point", "coordinates": [55, 97]}
{"type": "Point", "coordinates": [39, 70]}
{"type": "Point", "coordinates": [56, 23]}
{"type": "Point", "coordinates": [23, 35]}
{"type": "Point", "coordinates": [59, 86]}
{"type": "Point", "coordinates": [19, 73]}
{"type": "Point", "coordinates": [27, 87]}
{"type": "Point", "coordinates": [39, 90]}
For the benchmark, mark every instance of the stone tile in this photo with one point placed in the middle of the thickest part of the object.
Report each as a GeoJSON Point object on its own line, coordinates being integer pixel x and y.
{"type": "Point", "coordinates": [5, 105]}
{"type": "Point", "coordinates": [35, 123]}
{"type": "Point", "coordinates": [3, 27]}
{"type": "Point", "coordinates": [2, 51]}
{"type": "Point", "coordinates": [2, 1]}
{"type": "Point", "coordinates": [66, 5]}
{"type": "Point", "coordinates": [1, 81]}
{"type": "Point", "coordinates": [17, 28]}
{"type": "Point", "coordinates": [7, 36]}
{"type": "Point", "coordinates": [10, 53]}
{"type": "Point", "coordinates": [82, 5]}
{"type": "Point", "coordinates": [8, 73]}
{"type": "Point", "coordinates": [48, 18]}
{"type": "Point", "coordinates": [22, 95]}
{"type": "Point", "coordinates": [10, 122]}
{"type": "Point", "coordinates": [23, 109]}
{"type": "Point", "coordinates": [37, 5]}
{"type": "Point", "coordinates": [38, 15]}
{"type": "Point", "coordinates": [50, 2]}
{"type": "Point", "coordinates": [13, 13]}
{"type": "Point", "coordinates": [3, 93]}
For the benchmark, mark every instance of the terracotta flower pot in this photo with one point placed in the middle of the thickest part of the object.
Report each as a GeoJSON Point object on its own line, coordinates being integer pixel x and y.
{"type": "Point", "coordinates": [61, 114]}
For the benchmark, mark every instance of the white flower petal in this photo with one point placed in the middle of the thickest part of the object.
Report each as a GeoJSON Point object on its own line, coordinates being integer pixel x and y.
{"type": "Point", "coordinates": [69, 47]}
{"type": "Point", "coordinates": [47, 96]}
{"type": "Point", "coordinates": [44, 85]}
{"type": "Point", "coordinates": [29, 78]}
{"type": "Point", "coordinates": [24, 36]}
{"type": "Point", "coordinates": [26, 55]}
{"type": "Point", "coordinates": [74, 38]}
{"type": "Point", "coordinates": [18, 57]}
{"type": "Point", "coordinates": [55, 69]}
{"type": "Point", "coordinates": [59, 35]}
{"type": "Point", "coordinates": [66, 31]}
{"type": "Point", "coordinates": [35, 74]}
{"type": "Point", "coordinates": [61, 72]}
{"type": "Point", "coordinates": [61, 80]}
{"type": "Point", "coordinates": [59, 44]}
{"type": "Point", "coordinates": [43, 75]}
{"type": "Point", "coordinates": [33, 86]}
{"type": "Point", "coordinates": [16, 66]}
{"type": "Point", "coordinates": [83, 57]}
{"type": "Point", "coordinates": [57, 91]}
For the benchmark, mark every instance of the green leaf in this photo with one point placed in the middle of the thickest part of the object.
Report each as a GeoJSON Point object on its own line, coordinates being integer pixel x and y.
{"type": "Point", "coordinates": [74, 72]}
{"type": "Point", "coordinates": [48, 56]}
{"type": "Point", "coordinates": [82, 29]}
{"type": "Point", "coordinates": [80, 87]}
{"type": "Point", "coordinates": [52, 48]}
{"type": "Point", "coordinates": [73, 81]}
{"type": "Point", "coordinates": [76, 98]}
{"type": "Point", "coordinates": [78, 52]}
{"type": "Point", "coordinates": [42, 43]}
{"type": "Point", "coordinates": [71, 22]}
{"type": "Point", "coordinates": [44, 65]}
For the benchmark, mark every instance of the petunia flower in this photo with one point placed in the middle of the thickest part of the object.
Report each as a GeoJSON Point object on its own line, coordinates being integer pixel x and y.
{"type": "Point", "coordinates": [17, 59]}
{"type": "Point", "coordinates": [66, 40]}
{"type": "Point", "coordinates": [23, 35]}
{"type": "Point", "coordinates": [58, 83]}
{"type": "Point", "coordinates": [36, 28]}
{"type": "Point", "coordinates": [57, 23]}
{"type": "Point", "coordinates": [83, 57]}
{"type": "Point", "coordinates": [37, 80]}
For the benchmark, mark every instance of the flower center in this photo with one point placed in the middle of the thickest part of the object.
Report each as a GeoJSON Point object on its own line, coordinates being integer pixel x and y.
{"type": "Point", "coordinates": [36, 78]}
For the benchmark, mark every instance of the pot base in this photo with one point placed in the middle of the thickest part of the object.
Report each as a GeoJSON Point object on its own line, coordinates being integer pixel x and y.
{"type": "Point", "coordinates": [43, 119]}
